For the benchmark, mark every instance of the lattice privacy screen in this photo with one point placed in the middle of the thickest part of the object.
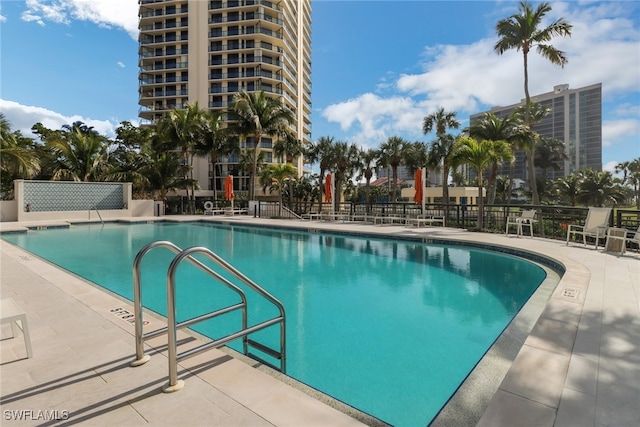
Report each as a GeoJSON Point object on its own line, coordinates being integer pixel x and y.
{"type": "Point", "coordinates": [51, 196]}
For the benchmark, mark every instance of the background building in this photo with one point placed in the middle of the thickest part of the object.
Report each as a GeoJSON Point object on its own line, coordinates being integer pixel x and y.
{"type": "Point", "coordinates": [206, 51]}
{"type": "Point", "coordinates": [575, 119]}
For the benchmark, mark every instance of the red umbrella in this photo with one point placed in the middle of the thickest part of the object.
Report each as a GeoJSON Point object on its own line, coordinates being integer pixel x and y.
{"type": "Point", "coordinates": [228, 188]}
{"type": "Point", "coordinates": [418, 186]}
{"type": "Point", "coordinates": [327, 188]}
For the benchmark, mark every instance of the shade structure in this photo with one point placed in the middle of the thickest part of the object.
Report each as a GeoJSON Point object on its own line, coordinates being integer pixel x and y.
{"type": "Point", "coordinates": [228, 188]}
{"type": "Point", "coordinates": [418, 186]}
{"type": "Point", "coordinates": [327, 188]}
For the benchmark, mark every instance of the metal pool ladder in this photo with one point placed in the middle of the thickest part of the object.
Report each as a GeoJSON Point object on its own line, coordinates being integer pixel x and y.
{"type": "Point", "coordinates": [172, 326]}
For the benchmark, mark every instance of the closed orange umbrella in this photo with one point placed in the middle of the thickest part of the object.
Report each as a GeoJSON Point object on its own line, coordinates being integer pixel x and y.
{"type": "Point", "coordinates": [228, 188]}
{"type": "Point", "coordinates": [327, 188]}
{"type": "Point", "coordinates": [418, 186]}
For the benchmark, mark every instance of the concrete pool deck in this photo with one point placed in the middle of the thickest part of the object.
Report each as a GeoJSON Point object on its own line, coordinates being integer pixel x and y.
{"type": "Point", "coordinates": [578, 362]}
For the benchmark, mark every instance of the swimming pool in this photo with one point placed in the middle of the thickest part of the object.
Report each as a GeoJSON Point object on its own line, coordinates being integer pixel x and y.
{"type": "Point", "coordinates": [389, 327]}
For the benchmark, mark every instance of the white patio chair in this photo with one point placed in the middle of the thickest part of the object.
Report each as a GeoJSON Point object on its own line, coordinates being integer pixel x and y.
{"type": "Point", "coordinates": [628, 236]}
{"type": "Point", "coordinates": [596, 225]}
{"type": "Point", "coordinates": [526, 219]}
{"type": "Point", "coordinates": [10, 313]}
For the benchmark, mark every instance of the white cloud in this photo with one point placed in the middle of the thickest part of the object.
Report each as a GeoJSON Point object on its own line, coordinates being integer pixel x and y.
{"type": "Point", "coordinates": [121, 64]}
{"type": "Point", "coordinates": [38, 11]}
{"type": "Point", "coordinates": [468, 78]}
{"type": "Point", "coordinates": [611, 167]}
{"type": "Point", "coordinates": [627, 109]}
{"type": "Point", "coordinates": [105, 13]}
{"type": "Point", "coordinates": [459, 78]}
{"type": "Point", "coordinates": [378, 118]}
{"type": "Point", "coordinates": [23, 117]}
{"type": "Point", "coordinates": [614, 130]}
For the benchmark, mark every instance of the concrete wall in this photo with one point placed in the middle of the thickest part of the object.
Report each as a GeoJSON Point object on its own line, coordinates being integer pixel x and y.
{"type": "Point", "coordinates": [65, 200]}
{"type": "Point", "coordinates": [471, 194]}
{"type": "Point", "coordinates": [142, 208]}
{"type": "Point", "coordinates": [8, 210]}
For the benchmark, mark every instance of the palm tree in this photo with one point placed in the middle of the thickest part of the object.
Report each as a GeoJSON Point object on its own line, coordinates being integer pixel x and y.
{"type": "Point", "coordinates": [321, 152]}
{"type": "Point", "coordinates": [417, 155]}
{"type": "Point", "coordinates": [480, 155]}
{"type": "Point", "coordinates": [631, 175]}
{"type": "Point", "coordinates": [366, 164]}
{"type": "Point", "coordinates": [165, 173]}
{"type": "Point", "coordinates": [289, 148]}
{"type": "Point", "coordinates": [391, 153]}
{"type": "Point", "coordinates": [305, 193]}
{"type": "Point", "coordinates": [549, 152]}
{"type": "Point", "coordinates": [183, 129]}
{"type": "Point", "coordinates": [127, 165]}
{"type": "Point", "coordinates": [502, 188]}
{"type": "Point", "coordinates": [492, 128]}
{"type": "Point", "coordinates": [567, 187]}
{"type": "Point", "coordinates": [442, 147]}
{"type": "Point", "coordinates": [274, 178]}
{"type": "Point", "coordinates": [245, 165]}
{"type": "Point", "coordinates": [522, 31]}
{"type": "Point", "coordinates": [345, 157]}
{"type": "Point", "coordinates": [81, 153]}
{"type": "Point", "coordinates": [528, 139]}
{"type": "Point", "coordinates": [258, 115]}
{"type": "Point", "coordinates": [598, 188]}
{"type": "Point", "coordinates": [214, 143]}
{"type": "Point", "coordinates": [17, 158]}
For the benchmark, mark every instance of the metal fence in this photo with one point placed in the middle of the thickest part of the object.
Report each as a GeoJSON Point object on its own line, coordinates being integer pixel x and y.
{"type": "Point", "coordinates": [552, 221]}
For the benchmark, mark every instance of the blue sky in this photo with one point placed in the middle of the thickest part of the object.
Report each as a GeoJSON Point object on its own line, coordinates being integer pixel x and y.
{"type": "Point", "coordinates": [378, 67]}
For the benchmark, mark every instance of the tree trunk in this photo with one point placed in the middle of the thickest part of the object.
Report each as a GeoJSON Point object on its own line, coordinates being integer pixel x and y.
{"type": "Point", "coordinates": [527, 120]}
{"type": "Point", "coordinates": [510, 189]}
{"type": "Point", "coordinates": [321, 192]}
{"type": "Point", "coordinates": [395, 182]}
{"type": "Point", "coordinates": [535, 199]}
{"type": "Point", "coordinates": [214, 161]}
{"type": "Point", "coordinates": [491, 184]}
{"type": "Point", "coordinates": [480, 203]}
{"type": "Point", "coordinates": [445, 182]}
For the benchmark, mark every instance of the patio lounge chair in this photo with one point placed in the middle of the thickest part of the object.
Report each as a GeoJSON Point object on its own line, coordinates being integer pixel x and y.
{"type": "Point", "coordinates": [625, 236]}
{"type": "Point", "coordinates": [526, 219]}
{"type": "Point", "coordinates": [425, 219]}
{"type": "Point", "coordinates": [595, 225]}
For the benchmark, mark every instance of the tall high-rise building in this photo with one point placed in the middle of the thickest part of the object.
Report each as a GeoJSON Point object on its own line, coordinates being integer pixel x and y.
{"type": "Point", "coordinates": [575, 118]}
{"type": "Point", "coordinates": [206, 51]}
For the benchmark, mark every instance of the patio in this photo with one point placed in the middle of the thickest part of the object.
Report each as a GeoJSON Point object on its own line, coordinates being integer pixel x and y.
{"type": "Point", "coordinates": [577, 364]}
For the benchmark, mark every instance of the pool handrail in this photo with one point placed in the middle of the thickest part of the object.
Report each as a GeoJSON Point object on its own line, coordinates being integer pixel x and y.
{"type": "Point", "coordinates": [95, 208]}
{"type": "Point", "coordinates": [141, 358]}
{"type": "Point", "coordinates": [172, 326]}
{"type": "Point", "coordinates": [174, 383]}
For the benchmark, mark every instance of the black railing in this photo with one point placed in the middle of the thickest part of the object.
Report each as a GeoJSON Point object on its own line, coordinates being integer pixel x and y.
{"type": "Point", "coordinates": [552, 221]}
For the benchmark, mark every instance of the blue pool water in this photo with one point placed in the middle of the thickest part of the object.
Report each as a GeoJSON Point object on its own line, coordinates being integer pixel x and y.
{"type": "Point", "coordinates": [389, 327]}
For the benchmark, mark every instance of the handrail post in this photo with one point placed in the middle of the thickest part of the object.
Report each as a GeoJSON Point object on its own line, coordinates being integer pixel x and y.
{"type": "Point", "coordinates": [142, 358]}
{"type": "Point", "coordinates": [283, 345]}
{"type": "Point", "coordinates": [174, 383]}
